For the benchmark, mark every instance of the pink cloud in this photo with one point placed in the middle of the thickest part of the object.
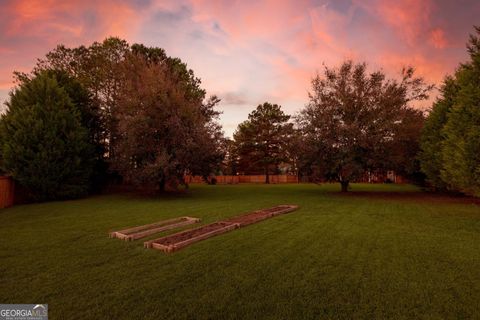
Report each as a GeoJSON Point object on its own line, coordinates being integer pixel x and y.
{"type": "Point", "coordinates": [407, 17]}
{"type": "Point", "coordinates": [258, 50]}
{"type": "Point", "coordinates": [437, 38]}
{"type": "Point", "coordinates": [57, 18]}
{"type": "Point", "coordinates": [30, 28]}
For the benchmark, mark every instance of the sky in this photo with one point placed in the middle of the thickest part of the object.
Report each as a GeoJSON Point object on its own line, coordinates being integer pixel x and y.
{"type": "Point", "coordinates": [249, 52]}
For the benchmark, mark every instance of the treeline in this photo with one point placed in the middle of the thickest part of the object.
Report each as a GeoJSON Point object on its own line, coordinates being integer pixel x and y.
{"type": "Point", "coordinates": [354, 123]}
{"type": "Point", "coordinates": [113, 112]}
{"type": "Point", "coordinates": [357, 123]}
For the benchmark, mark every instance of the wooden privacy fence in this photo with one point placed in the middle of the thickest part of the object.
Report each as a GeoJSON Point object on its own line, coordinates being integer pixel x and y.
{"type": "Point", "coordinates": [281, 178]}
{"type": "Point", "coordinates": [6, 192]}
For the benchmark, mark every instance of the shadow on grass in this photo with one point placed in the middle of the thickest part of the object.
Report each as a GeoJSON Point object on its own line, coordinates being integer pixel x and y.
{"type": "Point", "coordinates": [420, 196]}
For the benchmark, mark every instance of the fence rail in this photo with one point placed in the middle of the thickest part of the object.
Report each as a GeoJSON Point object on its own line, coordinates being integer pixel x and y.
{"type": "Point", "coordinates": [283, 178]}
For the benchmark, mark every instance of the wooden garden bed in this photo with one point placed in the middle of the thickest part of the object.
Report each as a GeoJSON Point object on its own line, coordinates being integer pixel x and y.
{"type": "Point", "coordinates": [260, 215]}
{"type": "Point", "coordinates": [182, 239]}
{"type": "Point", "coordinates": [149, 229]}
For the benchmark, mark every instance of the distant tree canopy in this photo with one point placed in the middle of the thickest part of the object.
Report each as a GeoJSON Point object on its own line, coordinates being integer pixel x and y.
{"type": "Point", "coordinates": [262, 140]}
{"type": "Point", "coordinates": [104, 82]}
{"type": "Point", "coordinates": [43, 143]}
{"type": "Point", "coordinates": [450, 154]}
{"type": "Point", "coordinates": [357, 122]}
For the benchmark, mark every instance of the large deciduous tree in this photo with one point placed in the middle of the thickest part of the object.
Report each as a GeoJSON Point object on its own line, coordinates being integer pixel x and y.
{"type": "Point", "coordinates": [357, 121]}
{"type": "Point", "coordinates": [262, 140]}
{"type": "Point", "coordinates": [165, 128]}
{"type": "Point", "coordinates": [43, 143]}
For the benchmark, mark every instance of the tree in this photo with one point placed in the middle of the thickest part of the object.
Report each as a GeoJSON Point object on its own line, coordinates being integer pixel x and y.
{"type": "Point", "coordinates": [90, 116]}
{"type": "Point", "coordinates": [165, 129]}
{"type": "Point", "coordinates": [97, 68]}
{"type": "Point", "coordinates": [461, 147]}
{"type": "Point", "coordinates": [43, 143]}
{"type": "Point", "coordinates": [354, 120]}
{"type": "Point", "coordinates": [432, 139]}
{"type": "Point", "coordinates": [262, 140]}
{"type": "Point", "coordinates": [230, 161]}
{"type": "Point", "coordinates": [450, 153]}
{"type": "Point", "coordinates": [403, 150]}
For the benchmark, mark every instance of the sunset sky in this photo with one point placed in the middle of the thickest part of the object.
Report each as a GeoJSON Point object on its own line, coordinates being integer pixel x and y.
{"type": "Point", "coordinates": [248, 52]}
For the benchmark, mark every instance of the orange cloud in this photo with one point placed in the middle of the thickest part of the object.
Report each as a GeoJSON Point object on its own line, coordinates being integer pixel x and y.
{"type": "Point", "coordinates": [57, 18]}
{"type": "Point", "coordinates": [250, 51]}
{"type": "Point", "coordinates": [437, 38]}
{"type": "Point", "coordinates": [407, 17]}
{"type": "Point", "coordinates": [30, 28]}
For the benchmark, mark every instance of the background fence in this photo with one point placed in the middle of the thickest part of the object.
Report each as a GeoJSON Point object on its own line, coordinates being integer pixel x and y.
{"type": "Point", "coordinates": [7, 191]}
{"type": "Point", "coordinates": [283, 178]}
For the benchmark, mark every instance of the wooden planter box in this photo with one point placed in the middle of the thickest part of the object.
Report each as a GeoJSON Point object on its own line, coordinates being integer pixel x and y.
{"type": "Point", "coordinates": [182, 239]}
{"type": "Point", "coordinates": [149, 229]}
{"type": "Point", "coordinates": [259, 215]}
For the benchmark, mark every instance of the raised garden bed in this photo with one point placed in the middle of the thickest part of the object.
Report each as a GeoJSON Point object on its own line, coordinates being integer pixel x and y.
{"type": "Point", "coordinates": [149, 229]}
{"type": "Point", "coordinates": [260, 215]}
{"type": "Point", "coordinates": [182, 239]}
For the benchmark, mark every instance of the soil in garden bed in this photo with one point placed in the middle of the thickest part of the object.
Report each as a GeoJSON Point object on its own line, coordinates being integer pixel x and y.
{"type": "Point", "coordinates": [260, 215]}
{"type": "Point", "coordinates": [189, 234]}
{"type": "Point", "coordinates": [153, 225]}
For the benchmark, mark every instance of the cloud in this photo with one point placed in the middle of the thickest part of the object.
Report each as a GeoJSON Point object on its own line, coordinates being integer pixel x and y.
{"type": "Point", "coordinates": [249, 52]}
{"type": "Point", "coordinates": [30, 28]}
{"type": "Point", "coordinates": [437, 38]}
{"type": "Point", "coordinates": [233, 98]}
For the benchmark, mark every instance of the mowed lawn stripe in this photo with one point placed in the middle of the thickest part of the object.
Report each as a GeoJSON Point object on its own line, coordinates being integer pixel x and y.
{"type": "Point", "coordinates": [340, 257]}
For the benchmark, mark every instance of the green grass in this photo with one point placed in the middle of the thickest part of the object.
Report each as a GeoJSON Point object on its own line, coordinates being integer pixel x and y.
{"type": "Point", "coordinates": [397, 255]}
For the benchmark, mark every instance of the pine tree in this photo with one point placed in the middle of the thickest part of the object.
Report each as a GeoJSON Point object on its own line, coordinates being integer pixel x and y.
{"type": "Point", "coordinates": [461, 148]}
{"type": "Point", "coordinates": [262, 140]}
{"type": "Point", "coordinates": [43, 143]}
{"type": "Point", "coordinates": [431, 159]}
{"type": "Point", "coordinates": [451, 140]}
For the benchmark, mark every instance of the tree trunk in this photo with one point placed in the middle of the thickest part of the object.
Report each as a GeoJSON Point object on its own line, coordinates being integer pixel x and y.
{"type": "Point", "coordinates": [344, 185]}
{"type": "Point", "coordinates": [267, 176]}
{"type": "Point", "coordinates": [161, 185]}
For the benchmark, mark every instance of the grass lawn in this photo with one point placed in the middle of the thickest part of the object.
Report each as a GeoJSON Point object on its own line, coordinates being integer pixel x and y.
{"type": "Point", "coordinates": [382, 251]}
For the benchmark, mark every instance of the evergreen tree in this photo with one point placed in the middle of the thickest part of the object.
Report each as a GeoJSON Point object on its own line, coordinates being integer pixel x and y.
{"type": "Point", "coordinates": [262, 140]}
{"type": "Point", "coordinates": [451, 139]}
{"type": "Point", "coordinates": [43, 143]}
{"type": "Point", "coordinates": [461, 148]}
{"type": "Point", "coordinates": [431, 159]}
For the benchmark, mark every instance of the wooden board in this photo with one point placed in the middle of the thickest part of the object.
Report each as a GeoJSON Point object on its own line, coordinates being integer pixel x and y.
{"type": "Point", "coordinates": [164, 243]}
{"type": "Point", "coordinates": [149, 229]}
